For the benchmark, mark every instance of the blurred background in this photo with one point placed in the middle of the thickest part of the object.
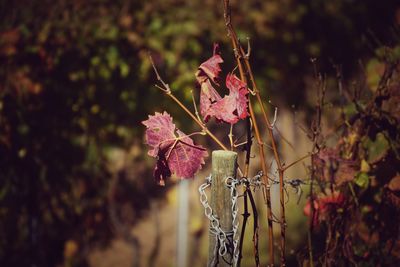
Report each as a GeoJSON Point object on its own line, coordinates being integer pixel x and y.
{"type": "Point", "coordinates": [76, 185]}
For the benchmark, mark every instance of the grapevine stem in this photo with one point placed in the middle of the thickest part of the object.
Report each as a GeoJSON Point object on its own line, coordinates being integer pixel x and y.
{"type": "Point", "coordinates": [296, 161]}
{"type": "Point", "coordinates": [195, 107]}
{"type": "Point", "coordinates": [239, 55]}
{"type": "Point", "coordinates": [231, 136]}
{"type": "Point", "coordinates": [276, 156]}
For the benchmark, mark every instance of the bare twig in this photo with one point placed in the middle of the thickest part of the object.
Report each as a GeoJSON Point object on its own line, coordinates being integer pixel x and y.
{"type": "Point", "coordinates": [239, 56]}
{"type": "Point", "coordinates": [246, 215]}
{"type": "Point", "coordinates": [271, 126]}
{"type": "Point", "coordinates": [230, 135]}
{"type": "Point", "coordinates": [315, 137]}
{"type": "Point", "coordinates": [284, 138]}
{"type": "Point", "coordinates": [255, 228]}
{"type": "Point", "coordinates": [296, 161]}
{"type": "Point", "coordinates": [195, 107]}
{"type": "Point", "coordinates": [239, 52]}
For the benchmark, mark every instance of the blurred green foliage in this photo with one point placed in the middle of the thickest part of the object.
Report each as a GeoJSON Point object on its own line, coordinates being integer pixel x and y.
{"type": "Point", "coordinates": [75, 83]}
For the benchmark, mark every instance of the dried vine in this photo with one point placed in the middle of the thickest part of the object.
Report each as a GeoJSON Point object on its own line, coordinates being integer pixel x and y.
{"type": "Point", "coordinates": [245, 69]}
{"type": "Point", "coordinates": [239, 55]}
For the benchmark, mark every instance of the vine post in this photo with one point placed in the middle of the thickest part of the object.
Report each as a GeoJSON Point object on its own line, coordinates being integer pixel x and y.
{"type": "Point", "coordinates": [224, 165]}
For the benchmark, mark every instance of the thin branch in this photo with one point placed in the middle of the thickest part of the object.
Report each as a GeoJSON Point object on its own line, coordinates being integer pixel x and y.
{"type": "Point", "coordinates": [284, 139]}
{"type": "Point", "coordinates": [240, 144]}
{"type": "Point", "coordinates": [246, 215]}
{"type": "Point", "coordinates": [166, 88]}
{"type": "Point", "coordinates": [247, 189]}
{"type": "Point", "coordinates": [230, 135]}
{"type": "Point", "coordinates": [238, 51]}
{"type": "Point", "coordinates": [315, 137]}
{"type": "Point", "coordinates": [195, 107]}
{"type": "Point", "coordinates": [255, 228]}
{"type": "Point", "coordinates": [248, 48]}
{"type": "Point", "coordinates": [274, 120]}
{"type": "Point", "coordinates": [171, 148]}
{"type": "Point", "coordinates": [297, 161]}
{"type": "Point", "coordinates": [271, 136]}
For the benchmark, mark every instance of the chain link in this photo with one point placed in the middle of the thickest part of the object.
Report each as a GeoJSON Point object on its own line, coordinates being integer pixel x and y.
{"type": "Point", "coordinates": [232, 183]}
{"type": "Point", "coordinates": [221, 236]}
{"type": "Point", "coordinates": [215, 228]}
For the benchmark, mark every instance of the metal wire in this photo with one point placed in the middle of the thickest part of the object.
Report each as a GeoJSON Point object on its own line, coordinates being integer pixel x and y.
{"type": "Point", "coordinates": [221, 236]}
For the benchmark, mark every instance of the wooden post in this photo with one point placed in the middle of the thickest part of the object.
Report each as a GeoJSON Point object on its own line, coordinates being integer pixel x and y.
{"type": "Point", "coordinates": [183, 215]}
{"type": "Point", "coordinates": [224, 164]}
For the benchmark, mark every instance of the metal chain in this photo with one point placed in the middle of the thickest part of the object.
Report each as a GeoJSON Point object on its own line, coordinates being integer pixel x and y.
{"type": "Point", "coordinates": [215, 228]}
{"type": "Point", "coordinates": [232, 183]}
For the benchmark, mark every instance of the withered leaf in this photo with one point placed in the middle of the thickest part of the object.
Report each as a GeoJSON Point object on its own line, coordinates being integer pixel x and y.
{"type": "Point", "coordinates": [175, 152]}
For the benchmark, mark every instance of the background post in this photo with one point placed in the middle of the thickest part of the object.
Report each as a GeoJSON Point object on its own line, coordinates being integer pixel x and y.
{"type": "Point", "coordinates": [224, 164]}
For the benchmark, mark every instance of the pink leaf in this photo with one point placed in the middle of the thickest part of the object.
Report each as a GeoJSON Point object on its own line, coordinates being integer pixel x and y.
{"type": "Point", "coordinates": [323, 205]}
{"type": "Point", "coordinates": [160, 132]}
{"type": "Point", "coordinates": [211, 67]}
{"type": "Point", "coordinates": [239, 90]}
{"type": "Point", "coordinates": [175, 152]}
{"type": "Point", "coordinates": [208, 95]}
{"type": "Point", "coordinates": [330, 166]}
{"type": "Point", "coordinates": [186, 158]}
{"type": "Point", "coordinates": [209, 71]}
{"type": "Point", "coordinates": [232, 107]}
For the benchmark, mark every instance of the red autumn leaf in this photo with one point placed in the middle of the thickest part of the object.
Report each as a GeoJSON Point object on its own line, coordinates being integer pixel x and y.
{"type": "Point", "coordinates": [209, 71]}
{"type": "Point", "coordinates": [210, 67]}
{"type": "Point", "coordinates": [160, 132]}
{"type": "Point", "coordinates": [208, 95]}
{"type": "Point", "coordinates": [232, 107]}
{"type": "Point", "coordinates": [239, 90]}
{"type": "Point", "coordinates": [175, 152]}
{"type": "Point", "coordinates": [323, 205]}
{"type": "Point", "coordinates": [331, 167]}
{"type": "Point", "coordinates": [307, 210]}
{"type": "Point", "coordinates": [186, 158]}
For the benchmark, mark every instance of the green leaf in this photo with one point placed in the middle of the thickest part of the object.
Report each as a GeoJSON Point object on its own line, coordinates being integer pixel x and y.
{"type": "Point", "coordinates": [95, 61]}
{"type": "Point", "coordinates": [350, 109]}
{"type": "Point", "coordinates": [374, 70]}
{"type": "Point", "coordinates": [112, 57]}
{"type": "Point", "coordinates": [376, 149]}
{"type": "Point", "coordinates": [124, 69]}
{"type": "Point", "coordinates": [4, 190]}
{"type": "Point", "coordinates": [362, 180]}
